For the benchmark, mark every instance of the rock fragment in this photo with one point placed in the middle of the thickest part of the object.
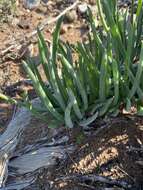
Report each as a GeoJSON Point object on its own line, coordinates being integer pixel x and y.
{"type": "Point", "coordinates": [45, 1]}
{"type": "Point", "coordinates": [71, 16]}
{"type": "Point", "coordinates": [31, 4]}
{"type": "Point", "coordinates": [82, 9]}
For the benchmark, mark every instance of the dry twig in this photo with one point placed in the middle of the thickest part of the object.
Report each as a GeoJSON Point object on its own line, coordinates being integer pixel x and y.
{"type": "Point", "coordinates": [19, 46]}
{"type": "Point", "coordinates": [94, 178]}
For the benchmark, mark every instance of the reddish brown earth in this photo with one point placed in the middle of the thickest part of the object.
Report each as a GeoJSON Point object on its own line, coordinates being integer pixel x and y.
{"type": "Point", "coordinates": [115, 152]}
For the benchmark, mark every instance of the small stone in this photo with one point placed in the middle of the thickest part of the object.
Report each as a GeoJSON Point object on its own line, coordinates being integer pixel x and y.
{"type": "Point", "coordinates": [82, 9]}
{"type": "Point", "coordinates": [63, 29]}
{"type": "Point", "coordinates": [92, 2]}
{"type": "Point", "coordinates": [70, 26]}
{"type": "Point", "coordinates": [70, 16]}
{"type": "Point", "coordinates": [140, 163]}
{"type": "Point", "coordinates": [23, 24]}
{"type": "Point", "coordinates": [59, 2]}
{"type": "Point", "coordinates": [31, 4]}
{"type": "Point", "coordinates": [71, 1]}
{"type": "Point", "coordinates": [41, 9]}
{"type": "Point", "coordinates": [15, 21]}
{"type": "Point", "coordinates": [45, 1]}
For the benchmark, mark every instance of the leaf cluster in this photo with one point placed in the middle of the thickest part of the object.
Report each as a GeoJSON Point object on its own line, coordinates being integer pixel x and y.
{"type": "Point", "coordinates": [106, 74]}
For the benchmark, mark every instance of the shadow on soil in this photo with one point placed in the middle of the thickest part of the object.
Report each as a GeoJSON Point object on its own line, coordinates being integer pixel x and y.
{"type": "Point", "coordinates": [114, 153]}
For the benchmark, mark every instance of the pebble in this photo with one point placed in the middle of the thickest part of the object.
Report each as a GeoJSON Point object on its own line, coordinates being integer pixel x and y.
{"type": "Point", "coordinates": [23, 24]}
{"type": "Point", "coordinates": [63, 29]}
{"type": "Point", "coordinates": [31, 4]}
{"type": "Point", "coordinates": [70, 16]}
{"type": "Point", "coordinates": [82, 9]}
{"type": "Point", "coordinates": [92, 2]}
{"type": "Point", "coordinates": [45, 1]}
{"type": "Point", "coordinates": [15, 21]}
{"type": "Point", "coordinates": [41, 9]}
{"type": "Point", "coordinates": [126, 2]}
{"type": "Point", "coordinates": [59, 2]}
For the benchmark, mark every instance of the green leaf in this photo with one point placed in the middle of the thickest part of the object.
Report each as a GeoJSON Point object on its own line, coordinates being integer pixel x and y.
{"type": "Point", "coordinates": [76, 109]}
{"type": "Point", "coordinates": [76, 80]}
{"type": "Point", "coordinates": [106, 107]}
{"type": "Point", "coordinates": [68, 119]}
{"type": "Point", "coordinates": [51, 70]}
{"type": "Point", "coordinates": [138, 75]}
{"type": "Point", "coordinates": [139, 7]}
{"type": "Point", "coordinates": [54, 124]}
{"type": "Point", "coordinates": [89, 120]}
{"type": "Point", "coordinates": [128, 104]}
{"type": "Point", "coordinates": [103, 78]}
{"type": "Point", "coordinates": [115, 70]}
{"type": "Point", "coordinates": [42, 93]}
{"type": "Point", "coordinates": [140, 111]}
{"type": "Point", "coordinates": [102, 16]}
{"type": "Point", "coordinates": [8, 99]}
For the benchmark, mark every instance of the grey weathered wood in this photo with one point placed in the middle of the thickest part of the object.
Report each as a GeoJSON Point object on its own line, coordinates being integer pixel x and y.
{"type": "Point", "coordinates": [95, 178]}
{"type": "Point", "coordinates": [19, 184]}
{"type": "Point", "coordinates": [40, 158]}
{"type": "Point", "coordinates": [10, 138]}
{"type": "Point", "coordinates": [43, 154]}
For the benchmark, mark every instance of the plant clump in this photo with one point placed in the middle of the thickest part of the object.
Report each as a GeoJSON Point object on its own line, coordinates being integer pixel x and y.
{"type": "Point", "coordinates": [106, 75]}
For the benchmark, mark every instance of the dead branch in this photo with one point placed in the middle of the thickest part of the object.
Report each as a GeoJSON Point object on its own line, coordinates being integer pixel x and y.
{"type": "Point", "coordinates": [9, 140]}
{"type": "Point", "coordinates": [19, 184]}
{"type": "Point", "coordinates": [28, 160]}
{"type": "Point", "coordinates": [94, 178]}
